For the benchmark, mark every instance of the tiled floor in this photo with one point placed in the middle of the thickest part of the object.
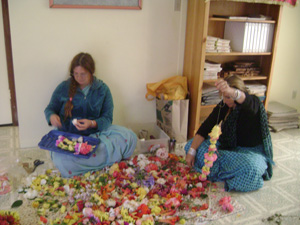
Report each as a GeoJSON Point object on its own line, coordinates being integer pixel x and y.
{"type": "Point", "coordinates": [279, 195]}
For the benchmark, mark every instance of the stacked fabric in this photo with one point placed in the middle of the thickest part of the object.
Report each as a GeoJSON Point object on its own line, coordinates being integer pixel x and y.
{"type": "Point", "coordinates": [282, 117]}
{"type": "Point", "coordinates": [210, 95]}
{"type": "Point", "coordinates": [256, 88]}
{"type": "Point", "coordinates": [211, 70]}
{"type": "Point", "coordinates": [214, 44]}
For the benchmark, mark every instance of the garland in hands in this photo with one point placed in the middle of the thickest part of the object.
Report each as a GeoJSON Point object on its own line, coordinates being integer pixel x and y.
{"type": "Point", "coordinates": [210, 156]}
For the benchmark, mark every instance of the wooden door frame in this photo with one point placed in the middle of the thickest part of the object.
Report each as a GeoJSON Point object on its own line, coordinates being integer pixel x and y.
{"type": "Point", "coordinates": [9, 62]}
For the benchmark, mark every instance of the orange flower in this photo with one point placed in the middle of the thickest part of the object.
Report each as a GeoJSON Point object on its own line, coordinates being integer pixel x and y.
{"type": "Point", "coordinates": [142, 209]}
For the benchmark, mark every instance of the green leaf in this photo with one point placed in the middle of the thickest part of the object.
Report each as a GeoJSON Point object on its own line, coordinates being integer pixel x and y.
{"type": "Point", "coordinates": [17, 204]}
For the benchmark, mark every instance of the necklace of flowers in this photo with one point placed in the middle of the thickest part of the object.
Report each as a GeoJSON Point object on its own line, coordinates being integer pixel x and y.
{"type": "Point", "coordinates": [210, 157]}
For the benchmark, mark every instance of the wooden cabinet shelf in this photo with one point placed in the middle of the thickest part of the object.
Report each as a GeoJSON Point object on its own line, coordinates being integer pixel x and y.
{"type": "Point", "coordinates": [243, 78]}
{"type": "Point", "coordinates": [200, 25]}
{"type": "Point", "coordinates": [237, 53]}
{"type": "Point", "coordinates": [239, 20]}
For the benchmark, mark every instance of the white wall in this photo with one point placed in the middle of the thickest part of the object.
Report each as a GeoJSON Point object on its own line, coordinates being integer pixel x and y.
{"type": "Point", "coordinates": [286, 76]}
{"type": "Point", "coordinates": [131, 48]}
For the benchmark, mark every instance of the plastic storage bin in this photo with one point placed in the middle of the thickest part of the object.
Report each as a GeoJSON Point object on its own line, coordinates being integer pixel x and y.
{"type": "Point", "coordinates": [160, 137]}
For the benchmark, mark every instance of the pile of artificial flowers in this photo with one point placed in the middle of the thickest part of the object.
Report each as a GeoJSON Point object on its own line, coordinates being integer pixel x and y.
{"type": "Point", "coordinates": [143, 190]}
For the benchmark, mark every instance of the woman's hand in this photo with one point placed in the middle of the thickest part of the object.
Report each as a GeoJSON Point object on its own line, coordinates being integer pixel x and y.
{"type": "Point", "coordinates": [55, 120]}
{"type": "Point", "coordinates": [190, 160]}
{"type": "Point", "coordinates": [224, 88]}
{"type": "Point", "coordinates": [83, 124]}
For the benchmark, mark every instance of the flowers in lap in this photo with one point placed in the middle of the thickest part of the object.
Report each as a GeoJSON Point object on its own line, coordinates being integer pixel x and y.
{"type": "Point", "coordinates": [75, 145]}
{"type": "Point", "coordinates": [143, 190]}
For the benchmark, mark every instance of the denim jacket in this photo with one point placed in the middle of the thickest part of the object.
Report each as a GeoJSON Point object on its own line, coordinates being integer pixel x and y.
{"type": "Point", "coordinates": [96, 105]}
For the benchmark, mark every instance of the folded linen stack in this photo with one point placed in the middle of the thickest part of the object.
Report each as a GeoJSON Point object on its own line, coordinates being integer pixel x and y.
{"type": "Point", "coordinates": [281, 117]}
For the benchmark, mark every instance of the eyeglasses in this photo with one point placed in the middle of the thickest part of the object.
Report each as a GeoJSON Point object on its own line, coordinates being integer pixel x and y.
{"type": "Point", "coordinates": [77, 75]}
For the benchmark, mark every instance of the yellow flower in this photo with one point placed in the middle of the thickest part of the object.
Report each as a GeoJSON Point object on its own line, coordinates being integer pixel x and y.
{"type": "Point", "coordinates": [63, 209]}
{"type": "Point", "coordinates": [141, 192]}
{"type": "Point", "coordinates": [46, 205]}
{"type": "Point", "coordinates": [156, 210]}
{"type": "Point", "coordinates": [147, 222]}
{"type": "Point", "coordinates": [134, 185]}
{"type": "Point", "coordinates": [113, 168]}
{"type": "Point", "coordinates": [126, 217]}
{"type": "Point", "coordinates": [35, 204]}
{"type": "Point", "coordinates": [101, 215]}
{"type": "Point", "coordinates": [87, 174]}
{"type": "Point", "coordinates": [182, 221]}
{"type": "Point", "coordinates": [55, 185]}
{"type": "Point", "coordinates": [98, 198]}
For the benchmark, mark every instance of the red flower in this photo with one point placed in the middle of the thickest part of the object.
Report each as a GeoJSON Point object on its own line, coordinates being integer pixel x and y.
{"type": "Point", "coordinates": [134, 160]}
{"type": "Point", "coordinates": [43, 219]}
{"type": "Point", "coordinates": [123, 165]}
{"type": "Point", "coordinates": [80, 205]}
{"type": "Point", "coordinates": [150, 167]}
{"type": "Point", "coordinates": [141, 210]}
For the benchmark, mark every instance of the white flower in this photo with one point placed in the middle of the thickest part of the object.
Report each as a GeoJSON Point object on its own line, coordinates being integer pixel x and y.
{"type": "Point", "coordinates": [143, 163]}
{"type": "Point", "coordinates": [30, 194]}
{"type": "Point", "coordinates": [111, 202]}
{"type": "Point", "coordinates": [199, 185]}
{"type": "Point", "coordinates": [43, 182]}
{"type": "Point", "coordinates": [129, 170]}
{"type": "Point", "coordinates": [112, 212]}
{"type": "Point", "coordinates": [74, 121]}
{"type": "Point", "coordinates": [161, 181]}
{"type": "Point", "coordinates": [130, 205]}
{"type": "Point", "coordinates": [141, 157]}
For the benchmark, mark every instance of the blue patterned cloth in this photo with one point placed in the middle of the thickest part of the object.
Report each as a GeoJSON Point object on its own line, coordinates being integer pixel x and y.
{"type": "Point", "coordinates": [241, 168]}
{"type": "Point", "coordinates": [116, 143]}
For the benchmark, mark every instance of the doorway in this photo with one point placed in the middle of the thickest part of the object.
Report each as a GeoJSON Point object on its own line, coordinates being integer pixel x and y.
{"type": "Point", "coordinates": [8, 103]}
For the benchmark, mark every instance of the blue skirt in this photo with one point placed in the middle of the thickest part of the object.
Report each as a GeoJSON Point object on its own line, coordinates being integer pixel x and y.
{"type": "Point", "coordinates": [241, 169]}
{"type": "Point", "coordinates": [116, 143]}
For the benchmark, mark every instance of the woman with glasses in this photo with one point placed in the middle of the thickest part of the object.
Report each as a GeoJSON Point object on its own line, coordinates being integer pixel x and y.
{"type": "Point", "coordinates": [83, 105]}
{"type": "Point", "coordinates": [244, 149]}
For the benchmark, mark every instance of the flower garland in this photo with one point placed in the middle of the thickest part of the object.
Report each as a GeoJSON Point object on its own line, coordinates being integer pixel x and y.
{"type": "Point", "coordinates": [210, 157]}
{"type": "Point", "coordinates": [75, 145]}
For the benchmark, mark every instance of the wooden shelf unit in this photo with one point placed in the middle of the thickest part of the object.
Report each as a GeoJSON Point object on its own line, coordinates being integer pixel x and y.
{"type": "Point", "coordinates": [200, 24]}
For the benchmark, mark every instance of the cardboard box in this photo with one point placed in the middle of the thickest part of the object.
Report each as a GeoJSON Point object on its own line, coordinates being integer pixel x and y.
{"type": "Point", "coordinates": [160, 137]}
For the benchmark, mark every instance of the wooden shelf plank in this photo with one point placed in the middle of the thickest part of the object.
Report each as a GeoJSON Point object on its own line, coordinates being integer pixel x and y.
{"type": "Point", "coordinates": [237, 53]}
{"type": "Point", "coordinates": [241, 20]}
{"type": "Point", "coordinates": [243, 78]}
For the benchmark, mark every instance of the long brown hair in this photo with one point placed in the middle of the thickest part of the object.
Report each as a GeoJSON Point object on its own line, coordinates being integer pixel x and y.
{"type": "Point", "coordinates": [86, 61]}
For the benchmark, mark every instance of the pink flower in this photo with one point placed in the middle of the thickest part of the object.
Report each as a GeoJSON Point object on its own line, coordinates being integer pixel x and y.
{"type": "Point", "coordinates": [162, 153]}
{"type": "Point", "coordinates": [210, 157]}
{"type": "Point", "coordinates": [87, 212]}
{"type": "Point", "coordinates": [172, 203]}
{"type": "Point", "coordinates": [208, 163]}
{"type": "Point", "coordinates": [202, 177]}
{"type": "Point", "coordinates": [225, 203]}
